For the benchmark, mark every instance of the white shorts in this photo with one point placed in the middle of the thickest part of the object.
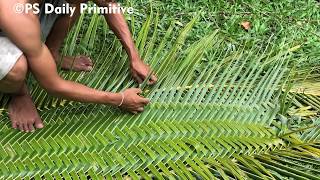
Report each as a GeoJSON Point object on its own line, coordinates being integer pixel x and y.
{"type": "Point", "coordinates": [10, 53]}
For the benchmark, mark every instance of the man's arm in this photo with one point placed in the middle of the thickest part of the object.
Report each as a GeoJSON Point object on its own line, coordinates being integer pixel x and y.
{"type": "Point", "coordinates": [24, 31]}
{"type": "Point", "coordinates": [119, 26]}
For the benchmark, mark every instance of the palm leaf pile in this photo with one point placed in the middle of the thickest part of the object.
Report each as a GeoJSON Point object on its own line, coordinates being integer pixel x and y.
{"type": "Point", "coordinates": [216, 123]}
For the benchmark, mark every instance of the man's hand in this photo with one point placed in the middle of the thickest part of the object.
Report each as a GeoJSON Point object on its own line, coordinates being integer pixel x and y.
{"type": "Point", "coordinates": [132, 102]}
{"type": "Point", "coordinates": [118, 25]}
{"type": "Point", "coordinates": [140, 72]}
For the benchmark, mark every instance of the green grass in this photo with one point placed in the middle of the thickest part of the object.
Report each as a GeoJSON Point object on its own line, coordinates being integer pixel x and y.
{"type": "Point", "coordinates": [296, 22]}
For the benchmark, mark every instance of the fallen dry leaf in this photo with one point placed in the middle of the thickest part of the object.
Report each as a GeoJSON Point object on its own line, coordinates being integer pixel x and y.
{"type": "Point", "coordinates": [246, 25]}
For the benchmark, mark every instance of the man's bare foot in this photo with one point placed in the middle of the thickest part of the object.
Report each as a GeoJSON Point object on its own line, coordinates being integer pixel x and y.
{"type": "Point", "coordinates": [78, 63]}
{"type": "Point", "coordinates": [23, 114]}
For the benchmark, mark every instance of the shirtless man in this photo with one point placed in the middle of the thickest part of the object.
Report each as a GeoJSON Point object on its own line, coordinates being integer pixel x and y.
{"type": "Point", "coordinates": [22, 50]}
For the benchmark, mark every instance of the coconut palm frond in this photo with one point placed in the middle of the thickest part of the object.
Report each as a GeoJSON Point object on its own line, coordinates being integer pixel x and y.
{"type": "Point", "coordinates": [312, 135]}
{"type": "Point", "coordinates": [304, 100]}
{"type": "Point", "coordinates": [216, 123]}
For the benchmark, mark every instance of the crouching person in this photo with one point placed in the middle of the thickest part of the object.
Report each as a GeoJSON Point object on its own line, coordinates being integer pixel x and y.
{"type": "Point", "coordinates": [22, 51]}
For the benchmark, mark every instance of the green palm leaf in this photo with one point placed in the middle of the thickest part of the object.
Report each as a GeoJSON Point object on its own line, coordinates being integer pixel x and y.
{"type": "Point", "coordinates": [213, 124]}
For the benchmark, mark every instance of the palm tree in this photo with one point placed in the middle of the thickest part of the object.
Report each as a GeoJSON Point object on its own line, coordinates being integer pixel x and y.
{"type": "Point", "coordinates": [216, 123]}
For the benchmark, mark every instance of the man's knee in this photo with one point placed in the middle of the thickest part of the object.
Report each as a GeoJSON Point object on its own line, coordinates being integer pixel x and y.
{"type": "Point", "coordinates": [18, 73]}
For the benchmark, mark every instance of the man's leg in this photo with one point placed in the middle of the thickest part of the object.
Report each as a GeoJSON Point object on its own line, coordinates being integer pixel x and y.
{"type": "Point", "coordinates": [55, 39]}
{"type": "Point", "coordinates": [22, 111]}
